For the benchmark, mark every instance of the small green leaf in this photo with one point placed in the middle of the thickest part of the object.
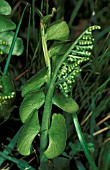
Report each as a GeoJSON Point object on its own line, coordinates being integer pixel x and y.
{"type": "Point", "coordinates": [56, 52]}
{"type": "Point", "coordinates": [5, 112]}
{"type": "Point", "coordinates": [57, 137]}
{"type": "Point", "coordinates": [7, 84]}
{"type": "Point", "coordinates": [6, 38]}
{"type": "Point", "coordinates": [57, 31]}
{"type": "Point", "coordinates": [5, 7]}
{"type": "Point", "coordinates": [58, 49]}
{"type": "Point", "coordinates": [30, 103]}
{"type": "Point", "coordinates": [34, 83]}
{"type": "Point", "coordinates": [6, 24]}
{"type": "Point", "coordinates": [30, 130]}
{"type": "Point", "coordinates": [65, 103]}
{"type": "Point", "coordinates": [7, 96]}
{"type": "Point", "coordinates": [55, 49]}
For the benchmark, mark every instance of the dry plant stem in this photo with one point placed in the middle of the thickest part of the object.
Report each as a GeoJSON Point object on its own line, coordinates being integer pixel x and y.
{"type": "Point", "coordinates": [19, 76]}
{"type": "Point", "coordinates": [105, 141]}
{"type": "Point", "coordinates": [85, 120]}
{"type": "Point", "coordinates": [103, 120]}
{"type": "Point", "coordinates": [102, 130]}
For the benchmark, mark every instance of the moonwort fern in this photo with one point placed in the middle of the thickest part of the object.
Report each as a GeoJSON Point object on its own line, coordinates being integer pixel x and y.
{"type": "Point", "coordinates": [67, 70]}
{"type": "Point", "coordinates": [64, 74]}
{"type": "Point", "coordinates": [79, 52]}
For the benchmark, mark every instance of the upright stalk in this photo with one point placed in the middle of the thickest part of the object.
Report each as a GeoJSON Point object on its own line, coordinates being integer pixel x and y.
{"type": "Point", "coordinates": [45, 50]}
{"type": "Point", "coordinates": [48, 100]}
{"type": "Point", "coordinates": [46, 120]}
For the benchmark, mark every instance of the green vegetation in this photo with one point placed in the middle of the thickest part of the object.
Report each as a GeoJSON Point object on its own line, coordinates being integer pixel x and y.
{"type": "Point", "coordinates": [54, 85]}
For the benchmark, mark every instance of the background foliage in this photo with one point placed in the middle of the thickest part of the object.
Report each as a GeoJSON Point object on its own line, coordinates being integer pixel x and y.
{"type": "Point", "coordinates": [91, 90]}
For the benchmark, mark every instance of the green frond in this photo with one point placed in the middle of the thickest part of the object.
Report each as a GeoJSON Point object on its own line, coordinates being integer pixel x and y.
{"type": "Point", "coordinates": [80, 52]}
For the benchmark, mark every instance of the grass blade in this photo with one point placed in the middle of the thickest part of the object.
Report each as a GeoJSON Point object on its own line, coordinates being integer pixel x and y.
{"type": "Point", "coordinates": [83, 142]}
{"type": "Point", "coordinates": [13, 42]}
{"type": "Point", "coordinates": [75, 12]}
{"type": "Point", "coordinates": [11, 145]}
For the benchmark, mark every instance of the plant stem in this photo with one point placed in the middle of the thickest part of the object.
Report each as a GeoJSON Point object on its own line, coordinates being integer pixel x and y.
{"type": "Point", "coordinates": [47, 112]}
{"type": "Point", "coordinates": [45, 50]}
{"type": "Point", "coordinates": [46, 119]}
{"type": "Point", "coordinates": [48, 101]}
{"type": "Point", "coordinates": [83, 142]}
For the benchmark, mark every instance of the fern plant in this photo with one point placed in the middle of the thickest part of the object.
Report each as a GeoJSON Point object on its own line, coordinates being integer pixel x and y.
{"type": "Point", "coordinates": [52, 85]}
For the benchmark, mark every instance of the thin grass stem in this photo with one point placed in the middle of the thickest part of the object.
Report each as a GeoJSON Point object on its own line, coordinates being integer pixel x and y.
{"type": "Point", "coordinates": [13, 42]}
{"type": "Point", "coordinates": [83, 142]}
